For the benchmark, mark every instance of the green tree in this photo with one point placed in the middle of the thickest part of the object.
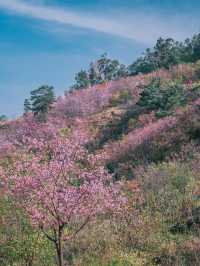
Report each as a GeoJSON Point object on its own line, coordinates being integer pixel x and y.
{"type": "Point", "coordinates": [191, 49]}
{"type": "Point", "coordinates": [27, 106]}
{"type": "Point", "coordinates": [164, 54]}
{"type": "Point", "coordinates": [3, 118]}
{"type": "Point", "coordinates": [162, 98]}
{"type": "Point", "coordinates": [41, 101]}
{"type": "Point", "coordinates": [141, 65]}
{"type": "Point", "coordinates": [82, 80]}
{"type": "Point", "coordinates": [104, 69]}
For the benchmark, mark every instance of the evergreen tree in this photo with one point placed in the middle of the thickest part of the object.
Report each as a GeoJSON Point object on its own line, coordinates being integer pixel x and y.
{"type": "Point", "coordinates": [27, 106]}
{"type": "Point", "coordinates": [82, 80]}
{"type": "Point", "coordinates": [3, 118]}
{"type": "Point", "coordinates": [104, 69]}
{"type": "Point", "coordinates": [40, 102]}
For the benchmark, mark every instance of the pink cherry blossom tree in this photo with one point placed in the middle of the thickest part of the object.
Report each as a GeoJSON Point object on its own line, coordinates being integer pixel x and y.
{"type": "Point", "coordinates": [62, 188]}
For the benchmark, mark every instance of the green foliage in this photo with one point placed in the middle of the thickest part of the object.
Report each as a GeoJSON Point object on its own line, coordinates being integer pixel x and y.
{"type": "Point", "coordinates": [3, 118]}
{"type": "Point", "coordinates": [169, 214]}
{"type": "Point", "coordinates": [115, 128]}
{"type": "Point", "coordinates": [82, 80]}
{"type": "Point", "coordinates": [40, 102]}
{"type": "Point", "coordinates": [163, 98]}
{"type": "Point", "coordinates": [20, 244]}
{"type": "Point", "coordinates": [102, 247]}
{"type": "Point", "coordinates": [144, 236]}
{"type": "Point", "coordinates": [166, 53]}
{"type": "Point", "coordinates": [132, 123]}
{"type": "Point", "coordinates": [27, 106]}
{"type": "Point", "coordinates": [65, 132]}
{"type": "Point", "coordinates": [104, 69]}
{"type": "Point", "coordinates": [121, 97]}
{"type": "Point", "coordinates": [197, 70]}
{"type": "Point", "coordinates": [191, 49]}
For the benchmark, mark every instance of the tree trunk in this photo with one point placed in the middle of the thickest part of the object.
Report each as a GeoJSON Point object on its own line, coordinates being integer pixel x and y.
{"type": "Point", "coordinates": [59, 248]}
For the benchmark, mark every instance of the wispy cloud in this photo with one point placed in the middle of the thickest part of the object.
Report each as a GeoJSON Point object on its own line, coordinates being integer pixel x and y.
{"type": "Point", "coordinates": [64, 16]}
{"type": "Point", "coordinates": [140, 27]}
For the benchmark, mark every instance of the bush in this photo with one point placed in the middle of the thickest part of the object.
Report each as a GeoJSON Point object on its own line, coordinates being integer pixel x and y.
{"type": "Point", "coordinates": [163, 98]}
{"type": "Point", "coordinates": [121, 97]}
{"type": "Point", "coordinates": [20, 244]}
{"type": "Point", "coordinates": [197, 69]}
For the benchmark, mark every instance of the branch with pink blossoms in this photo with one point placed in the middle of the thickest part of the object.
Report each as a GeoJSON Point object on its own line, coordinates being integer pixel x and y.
{"type": "Point", "coordinates": [62, 189]}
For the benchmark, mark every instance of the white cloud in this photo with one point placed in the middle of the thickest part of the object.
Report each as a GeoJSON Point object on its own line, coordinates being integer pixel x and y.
{"type": "Point", "coordinates": [140, 27]}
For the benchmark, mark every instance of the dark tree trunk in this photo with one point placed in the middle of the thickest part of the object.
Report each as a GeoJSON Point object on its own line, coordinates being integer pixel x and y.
{"type": "Point", "coordinates": [59, 249]}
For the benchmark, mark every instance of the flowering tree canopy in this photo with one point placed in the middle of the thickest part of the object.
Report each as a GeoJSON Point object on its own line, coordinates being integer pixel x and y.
{"type": "Point", "coordinates": [61, 187]}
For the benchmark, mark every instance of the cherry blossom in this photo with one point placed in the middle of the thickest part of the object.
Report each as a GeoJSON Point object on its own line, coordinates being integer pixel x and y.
{"type": "Point", "coordinates": [62, 188]}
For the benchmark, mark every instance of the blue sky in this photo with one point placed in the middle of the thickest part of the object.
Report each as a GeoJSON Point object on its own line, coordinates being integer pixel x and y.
{"type": "Point", "coordinates": [48, 41]}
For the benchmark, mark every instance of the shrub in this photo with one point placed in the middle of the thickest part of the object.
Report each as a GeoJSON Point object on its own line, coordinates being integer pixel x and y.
{"type": "Point", "coordinates": [121, 97]}
{"type": "Point", "coordinates": [197, 69]}
{"type": "Point", "coordinates": [20, 244]}
{"type": "Point", "coordinates": [163, 98]}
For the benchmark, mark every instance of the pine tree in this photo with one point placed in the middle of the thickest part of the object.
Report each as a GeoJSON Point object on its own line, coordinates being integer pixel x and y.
{"type": "Point", "coordinates": [27, 106]}
{"type": "Point", "coordinates": [3, 118]}
{"type": "Point", "coordinates": [40, 102]}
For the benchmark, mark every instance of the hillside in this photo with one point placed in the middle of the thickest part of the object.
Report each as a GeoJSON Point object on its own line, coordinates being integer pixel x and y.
{"type": "Point", "coordinates": [145, 131]}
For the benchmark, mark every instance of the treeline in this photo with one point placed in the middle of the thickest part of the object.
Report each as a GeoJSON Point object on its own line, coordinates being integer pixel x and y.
{"type": "Point", "coordinates": [165, 53]}
{"type": "Point", "coordinates": [102, 70]}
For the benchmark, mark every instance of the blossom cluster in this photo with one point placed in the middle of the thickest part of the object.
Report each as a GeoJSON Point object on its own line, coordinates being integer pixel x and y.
{"type": "Point", "coordinates": [63, 185]}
